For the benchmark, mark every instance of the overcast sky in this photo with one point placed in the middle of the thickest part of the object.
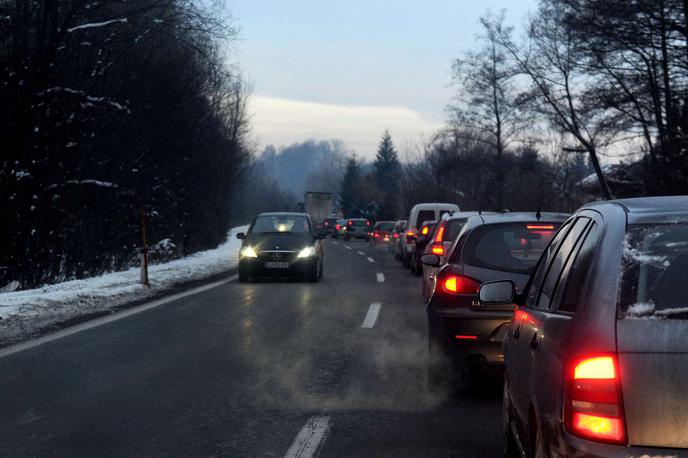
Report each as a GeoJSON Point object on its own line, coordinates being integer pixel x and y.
{"type": "Point", "coordinates": [349, 69]}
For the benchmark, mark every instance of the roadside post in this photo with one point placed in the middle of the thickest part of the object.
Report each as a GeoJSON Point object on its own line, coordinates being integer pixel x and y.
{"type": "Point", "coordinates": [143, 251]}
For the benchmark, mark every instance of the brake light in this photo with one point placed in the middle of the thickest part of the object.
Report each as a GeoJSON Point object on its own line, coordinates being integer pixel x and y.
{"type": "Point", "coordinates": [540, 227]}
{"type": "Point", "coordinates": [377, 235]}
{"type": "Point", "coordinates": [410, 234]}
{"type": "Point", "coordinates": [462, 337]}
{"type": "Point", "coordinates": [593, 400]}
{"type": "Point", "coordinates": [396, 235]}
{"type": "Point", "coordinates": [338, 226]}
{"type": "Point", "coordinates": [350, 223]}
{"type": "Point", "coordinates": [438, 250]}
{"type": "Point", "coordinates": [440, 234]}
{"type": "Point", "coordinates": [425, 230]}
{"type": "Point", "coordinates": [367, 223]}
{"type": "Point", "coordinates": [457, 284]}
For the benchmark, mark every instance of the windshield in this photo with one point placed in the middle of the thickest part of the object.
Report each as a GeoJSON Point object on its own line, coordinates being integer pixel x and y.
{"type": "Point", "coordinates": [508, 247]}
{"type": "Point", "coordinates": [279, 223]}
{"type": "Point", "coordinates": [655, 263]}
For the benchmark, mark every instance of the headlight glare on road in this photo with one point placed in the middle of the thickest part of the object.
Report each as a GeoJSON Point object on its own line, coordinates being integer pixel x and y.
{"type": "Point", "coordinates": [248, 252]}
{"type": "Point", "coordinates": [307, 252]}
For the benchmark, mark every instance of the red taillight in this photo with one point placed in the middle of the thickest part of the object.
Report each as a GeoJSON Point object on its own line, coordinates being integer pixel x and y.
{"type": "Point", "coordinates": [457, 284]}
{"type": "Point", "coordinates": [540, 227]}
{"type": "Point", "coordinates": [410, 234]}
{"type": "Point", "coordinates": [338, 226]}
{"type": "Point", "coordinates": [396, 235]}
{"type": "Point", "coordinates": [593, 399]}
{"type": "Point", "coordinates": [367, 223]}
{"type": "Point", "coordinates": [377, 235]}
{"type": "Point", "coordinates": [438, 250]}
{"type": "Point", "coordinates": [440, 234]}
{"type": "Point", "coordinates": [425, 230]}
{"type": "Point", "coordinates": [464, 337]}
{"type": "Point", "coordinates": [350, 223]}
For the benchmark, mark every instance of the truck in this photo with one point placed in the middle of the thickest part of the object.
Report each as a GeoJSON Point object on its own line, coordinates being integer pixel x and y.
{"type": "Point", "coordinates": [319, 206]}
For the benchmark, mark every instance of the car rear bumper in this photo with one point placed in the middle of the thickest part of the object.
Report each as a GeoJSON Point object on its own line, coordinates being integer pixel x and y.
{"type": "Point", "coordinates": [469, 337]}
{"type": "Point", "coordinates": [569, 445]}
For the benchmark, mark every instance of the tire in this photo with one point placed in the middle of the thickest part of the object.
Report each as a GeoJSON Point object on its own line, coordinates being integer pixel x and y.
{"type": "Point", "coordinates": [322, 270]}
{"type": "Point", "coordinates": [419, 269]}
{"type": "Point", "coordinates": [243, 277]}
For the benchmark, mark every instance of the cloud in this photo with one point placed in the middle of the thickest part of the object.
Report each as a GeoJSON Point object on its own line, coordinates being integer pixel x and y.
{"type": "Point", "coordinates": [283, 121]}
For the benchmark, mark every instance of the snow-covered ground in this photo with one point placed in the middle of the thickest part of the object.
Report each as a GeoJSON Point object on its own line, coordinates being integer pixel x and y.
{"type": "Point", "coordinates": [22, 313]}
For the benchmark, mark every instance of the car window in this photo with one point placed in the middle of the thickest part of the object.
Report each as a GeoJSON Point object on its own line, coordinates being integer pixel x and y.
{"type": "Point", "coordinates": [452, 229]}
{"type": "Point", "coordinates": [509, 247]}
{"type": "Point", "coordinates": [557, 265]}
{"type": "Point", "coordinates": [358, 222]}
{"type": "Point", "coordinates": [568, 292]}
{"type": "Point", "coordinates": [654, 266]}
{"type": "Point", "coordinates": [280, 223]}
{"type": "Point", "coordinates": [384, 226]}
{"type": "Point", "coordinates": [544, 262]}
{"type": "Point", "coordinates": [424, 215]}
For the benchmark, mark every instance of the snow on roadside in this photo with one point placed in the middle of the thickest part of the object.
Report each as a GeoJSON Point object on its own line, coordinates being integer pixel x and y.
{"type": "Point", "coordinates": [24, 312]}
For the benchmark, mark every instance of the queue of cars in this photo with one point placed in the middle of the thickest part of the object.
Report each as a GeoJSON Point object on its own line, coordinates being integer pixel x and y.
{"type": "Point", "coordinates": [584, 315]}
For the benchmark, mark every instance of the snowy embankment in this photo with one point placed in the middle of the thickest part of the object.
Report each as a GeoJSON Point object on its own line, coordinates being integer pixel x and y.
{"type": "Point", "coordinates": [23, 313]}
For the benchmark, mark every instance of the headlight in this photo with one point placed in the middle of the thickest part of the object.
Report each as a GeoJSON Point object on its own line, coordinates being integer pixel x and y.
{"type": "Point", "coordinates": [306, 252]}
{"type": "Point", "coordinates": [248, 252]}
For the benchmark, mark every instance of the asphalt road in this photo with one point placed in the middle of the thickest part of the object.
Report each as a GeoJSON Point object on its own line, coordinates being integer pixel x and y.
{"type": "Point", "coordinates": [259, 369]}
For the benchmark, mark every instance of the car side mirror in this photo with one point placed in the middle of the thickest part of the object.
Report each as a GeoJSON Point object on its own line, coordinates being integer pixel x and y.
{"type": "Point", "coordinates": [497, 292]}
{"type": "Point", "coordinates": [430, 259]}
{"type": "Point", "coordinates": [241, 236]}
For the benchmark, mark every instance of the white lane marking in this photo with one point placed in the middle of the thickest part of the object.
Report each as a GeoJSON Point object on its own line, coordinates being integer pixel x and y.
{"type": "Point", "coordinates": [310, 438]}
{"type": "Point", "coordinates": [361, 253]}
{"type": "Point", "coordinates": [371, 316]}
{"type": "Point", "coordinates": [109, 319]}
{"type": "Point", "coordinates": [380, 278]}
{"type": "Point", "coordinates": [370, 259]}
{"type": "Point", "coordinates": [348, 247]}
{"type": "Point", "coordinates": [335, 243]}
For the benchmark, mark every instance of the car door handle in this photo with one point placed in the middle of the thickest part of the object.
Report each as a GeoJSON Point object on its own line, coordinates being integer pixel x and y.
{"type": "Point", "coordinates": [517, 332]}
{"type": "Point", "coordinates": [534, 341]}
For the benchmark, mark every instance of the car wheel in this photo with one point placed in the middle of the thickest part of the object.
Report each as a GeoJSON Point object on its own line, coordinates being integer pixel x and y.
{"type": "Point", "coordinates": [243, 277]}
{"type": "Point", "coordinates": [509, 447]}
{"type": "Point", "coordinates": [322, 270]}
{"type": "Point", "coordinates": [314, 276]}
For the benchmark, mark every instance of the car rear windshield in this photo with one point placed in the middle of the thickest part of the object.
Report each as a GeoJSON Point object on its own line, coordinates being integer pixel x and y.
{"type": "Point", "coordinates": [452, 229]}
{"type": "Point", "coordinates": [512, 247]}
{"type": "Point", "coordinates": [384, 226]}
{"type": "Point", "coordinates": [655, 261]}
{"type": "Point", "coordinates": [358, 222]}
{"type": "Point", "coordinates": [280, 223]}
{"type": "Point", "coordinates": [424, 215]}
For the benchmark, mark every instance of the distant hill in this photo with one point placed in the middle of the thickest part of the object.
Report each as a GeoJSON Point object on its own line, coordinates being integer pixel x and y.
{"type": "Point", "coordinates": [308, 166]}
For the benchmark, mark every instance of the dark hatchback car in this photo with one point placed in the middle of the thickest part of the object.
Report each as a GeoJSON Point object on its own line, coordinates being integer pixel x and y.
{"type": "Point", "coordinates": [466, 337]}
{"type": "Point", "coordinates": [382, 232]}
{"type": "Point", "coordinates": [281, 245]}
{"type": "Point", "coordinates": [597, 355]}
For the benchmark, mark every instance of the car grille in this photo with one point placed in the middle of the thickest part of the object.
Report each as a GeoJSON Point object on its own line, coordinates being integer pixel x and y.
{"type": "Point", "coordinates": [277, 255]}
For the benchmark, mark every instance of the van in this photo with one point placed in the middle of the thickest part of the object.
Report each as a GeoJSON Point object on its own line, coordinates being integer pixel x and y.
{"type": "Point", "coordinates": [419, 214]}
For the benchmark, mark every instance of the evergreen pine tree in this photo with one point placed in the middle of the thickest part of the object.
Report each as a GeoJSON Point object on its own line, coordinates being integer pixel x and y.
{"type": "Point", "coordinates": [387, 172]}
{"type": "Point", "coordinates": [349, 192]}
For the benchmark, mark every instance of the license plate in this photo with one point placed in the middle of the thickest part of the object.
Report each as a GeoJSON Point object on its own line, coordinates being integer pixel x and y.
{"type": "Point", "coordinates": [276, 265]}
